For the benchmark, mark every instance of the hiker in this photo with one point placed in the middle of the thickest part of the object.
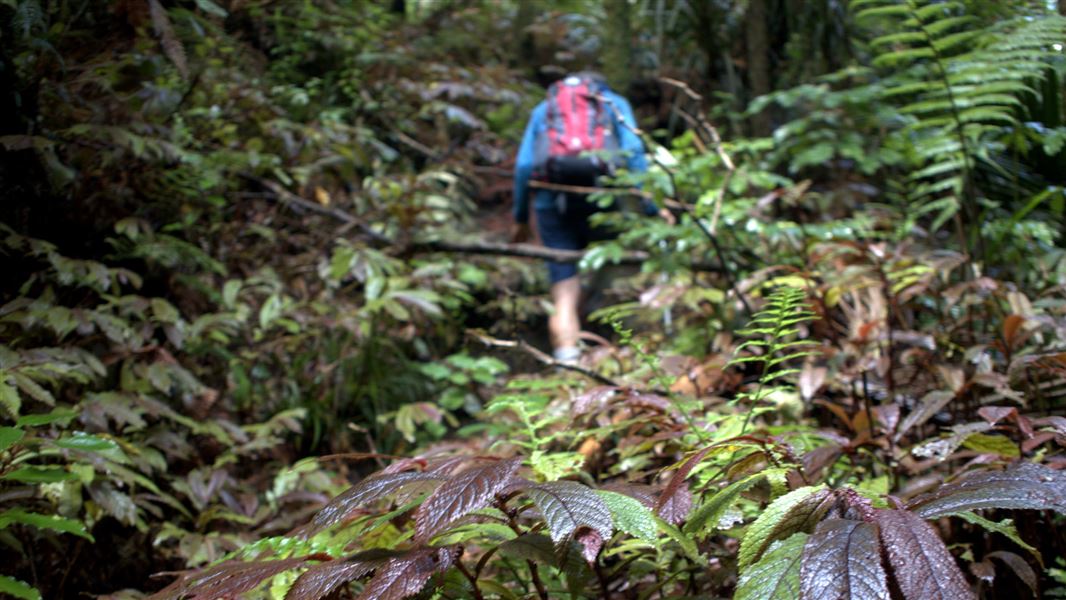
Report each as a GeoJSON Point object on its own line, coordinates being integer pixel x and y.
{"type": "Point", "coordinates": [580, 132]}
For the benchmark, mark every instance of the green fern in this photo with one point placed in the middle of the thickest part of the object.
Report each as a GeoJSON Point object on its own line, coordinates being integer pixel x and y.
{"type": "Point", "coordinates": [962, 88]}
{"type": "Point", "coordinates": [774, 331]}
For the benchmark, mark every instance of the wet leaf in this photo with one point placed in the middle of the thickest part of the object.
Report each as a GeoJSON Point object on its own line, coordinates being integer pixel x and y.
{"type": "Point", "coordinates": [406, 575]}
{"type": "Point", "coordinates": [366, 491]}
{"type": "Point", "coordinates": [797, 511]}
{"type": "Point", "coordinates": [567, 505]}
{"type": "Point", "coordinates": [1026, 486]}
{"type": "Point", "coordinates": [322, 579]}
{"type": "Point", "coordinates": [842, 561]}
{"type": "Point", "coordinates": [776, 576]}
{"type": "Point", "coordinates": [470, 490]}
{"type": "Point", "coordinates": [921, 565]}
{"type": "Point", "coordinates": [227, 580]}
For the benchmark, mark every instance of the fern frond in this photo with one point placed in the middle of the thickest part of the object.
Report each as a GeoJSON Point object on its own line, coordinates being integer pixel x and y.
{"type": "Point", "coordinates": [172, 46]}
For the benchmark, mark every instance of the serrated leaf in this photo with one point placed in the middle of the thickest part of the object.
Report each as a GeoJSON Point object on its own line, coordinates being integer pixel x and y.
{"type": "Point", "coordinates": [711, 511]}
{"type": "Point", "coordinates": [842, 561]}
{"type": "Point", "coordinates": [921, 565]}
{"type": "Point", "coordinates": [9, 398]}
{"type": "Point", "coordinates": [630, 516]}
{"type": "Point", "coordinates": [776, 576]}
{"type": "Point", "coordinates": [1026, 486]}
{"type": "Point", "coordinates": [366, 491]}
{"type": "Point", "coordinates": [470, 490]}
{"type": "Point", "coordinates": [322, 579]}
{"type": "Point", "coordinates": [567, 505]}
{"type": "Point", "coordinates": [9, 436]}
{"type": "Point", "coordinates": [796, 511]}
{"type": "Point", "coordinates": [39, 475]}
{"type": "Point", "coordinates": [53, 522]}
{"type": "Point", "coordinates": [18, 589]}
{"type": "Point", "coordinates": [227, 580]}
{"type": "Point", "coordinates": [406, 575]}
{"type": "Point", "coordinates": [33, 389]}
{"type": "Point", "coordinates": [1005, 528]}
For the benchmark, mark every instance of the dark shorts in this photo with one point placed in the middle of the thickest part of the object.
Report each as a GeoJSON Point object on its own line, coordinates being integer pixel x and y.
{"type": "Point", "coordinates": [568, 231]}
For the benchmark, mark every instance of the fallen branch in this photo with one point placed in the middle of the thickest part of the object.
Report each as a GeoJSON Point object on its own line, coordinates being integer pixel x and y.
{"type": "Point", "coordinates": [280, 194]}
{"type": "Point", "coordinates": [635, 257]}
{"type": "Point", "coordinates": [537, 354]}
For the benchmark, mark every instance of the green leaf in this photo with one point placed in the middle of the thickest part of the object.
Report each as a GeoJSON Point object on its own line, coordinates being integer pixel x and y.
{"type": "Point", "coordinates": [53, 522]}
{"type": "Point", "coordinates": [482, 533]}
{"type": "Point", "coordinates": [9, 398]}
{"type": "Point", "coordinates": [34, 390]}
{"type": "Point", "coordinates": [1005, 527]}
{"type": "Point", "coordinates": [57, 415]}
{"type": "Point", "coordinates": [777, 575]}
{"type": "Point", "coordinates": [18, 589]}
{"type": "Point", "coordinates": [992, 444]}
{"type": "Point", "coordinates": [85, 442]}
{"type": "Point", "coordinates": [798, 510]}
{"type": "Point", "coordinates": [706, 517]}
{"type": "Point", "coordinates": [630, 516]}
{"type": "Point", "coordinates": [9, 436]}
{"type": "Point", "coordinates": [39, 475]}
{"type": "Point", "coordinates": [211, 8]}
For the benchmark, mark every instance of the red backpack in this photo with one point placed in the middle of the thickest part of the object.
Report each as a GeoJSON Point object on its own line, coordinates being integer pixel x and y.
{"type": "Point", "coordinates": [580, 122]}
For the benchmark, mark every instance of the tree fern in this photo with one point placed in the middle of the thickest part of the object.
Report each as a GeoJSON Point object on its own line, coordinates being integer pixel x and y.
{"type": "Point", "coordinates": [961, 87]}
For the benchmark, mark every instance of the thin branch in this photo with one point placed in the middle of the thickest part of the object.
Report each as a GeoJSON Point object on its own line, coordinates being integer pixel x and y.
{"type": "Point", "coordinates": [539, 355]}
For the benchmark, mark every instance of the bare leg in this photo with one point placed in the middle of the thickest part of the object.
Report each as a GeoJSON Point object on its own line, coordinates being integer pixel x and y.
{"type": "Point", "coordinates": [565, 324]}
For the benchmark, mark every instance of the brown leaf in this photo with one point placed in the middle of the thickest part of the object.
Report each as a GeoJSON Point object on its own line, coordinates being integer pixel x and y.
{"type": "Point", "coordinates": [227, 580]}
{"type": "Point", "coordinates": [921, 565]}
{"type": "Point", "coordinates": [172, 46]}
{"type": "Point", "coordinates": [405, 576]}
{"type": "Point", "coordinates": [1020, 568]}
{"type": "Point", "coordinates": [366, 491]}
{"type": "Point", "coordinates": [591, 543]}
{"type": "Point", "coordinates": [468, 491]}
{"type": "Point", "coordinates": [321, 579]}
{"type": "Point", "coordinates": [842, 561]}
{"type": "Point", "coordinates": [1025, 486]}
{"type": "Point", "coordinates": [1010, 329]}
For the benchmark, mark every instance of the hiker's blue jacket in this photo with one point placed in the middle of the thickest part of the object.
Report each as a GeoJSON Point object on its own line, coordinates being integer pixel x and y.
{"type": "Point", "coordinates": [630, 145]}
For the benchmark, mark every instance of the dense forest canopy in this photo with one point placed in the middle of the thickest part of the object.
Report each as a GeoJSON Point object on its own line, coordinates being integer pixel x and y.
{"type": "Point", "coordinates": [264, 333]}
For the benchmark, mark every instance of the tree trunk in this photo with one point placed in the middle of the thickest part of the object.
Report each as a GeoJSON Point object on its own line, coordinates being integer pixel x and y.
{"type": "Point", "coordinates": [1062, 7]}
{"type": "Point", "coordinates": [524, 44]}
{"type": "Point", "coordinates": [758, 46]}
{"type": "Point", "coordinates": [618, 42]}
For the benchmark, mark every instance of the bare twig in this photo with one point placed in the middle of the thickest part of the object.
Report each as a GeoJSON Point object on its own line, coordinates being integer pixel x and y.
{"type": "Point", "coordinates": [539, 355]}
